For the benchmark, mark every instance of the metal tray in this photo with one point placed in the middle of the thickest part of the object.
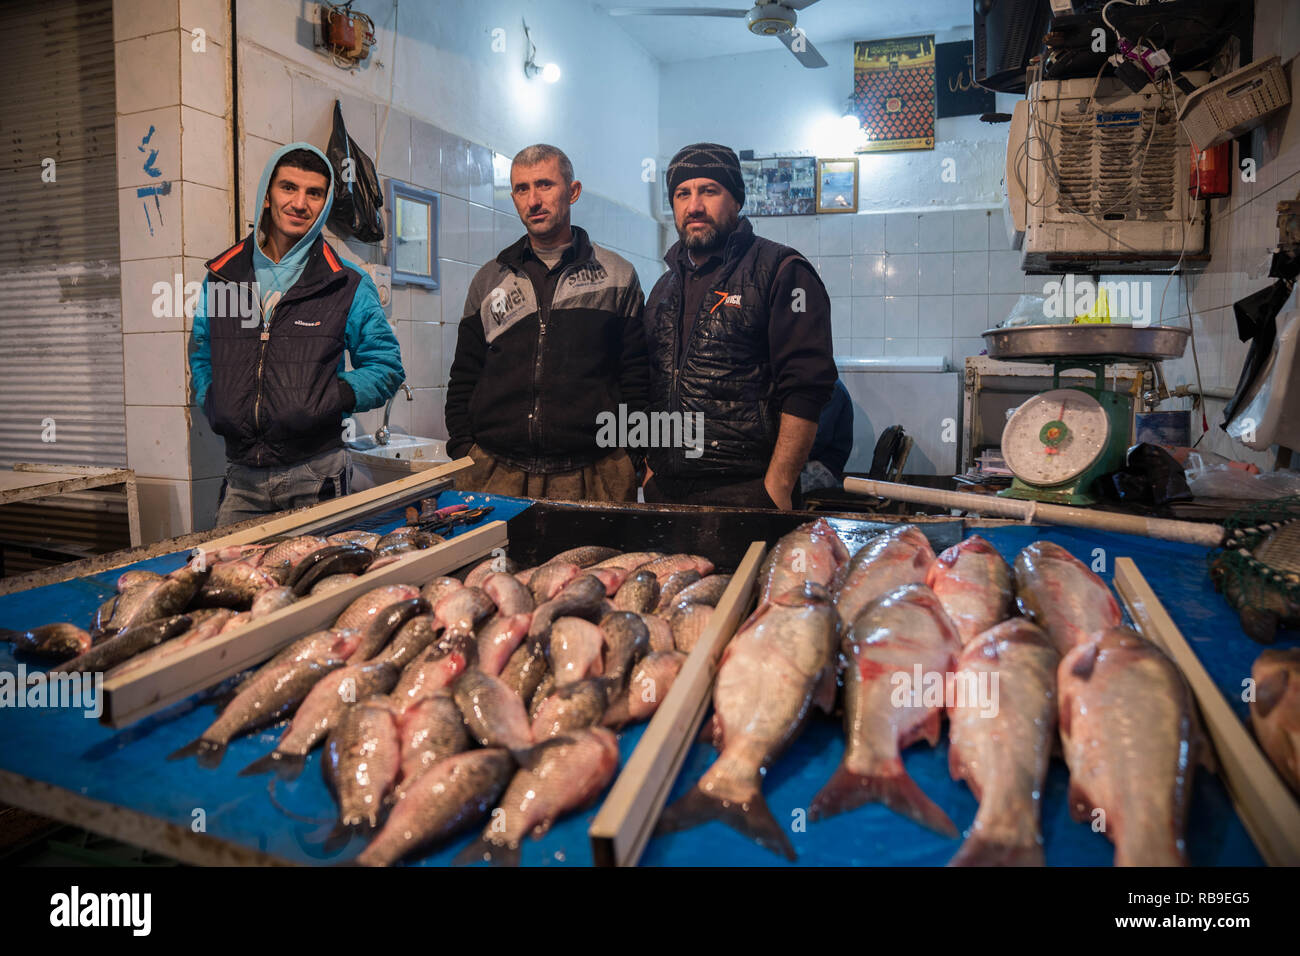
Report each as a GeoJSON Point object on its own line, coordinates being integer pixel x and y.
{"type": "Point", "coordinates": [1118, 343]}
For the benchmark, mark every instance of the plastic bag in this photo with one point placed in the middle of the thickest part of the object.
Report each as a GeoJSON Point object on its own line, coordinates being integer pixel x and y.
{"type": "Point", "coordinates": [1211, 479]}
{"type": "Point", "coordinates": [1029, 310]}
{"type": "Point", "coordinates": [1099, 314]}
{"type": "Point", "coordinates": [357, 199]}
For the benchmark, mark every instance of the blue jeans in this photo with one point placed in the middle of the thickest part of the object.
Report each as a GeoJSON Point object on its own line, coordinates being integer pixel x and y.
{"type": "Point", "coordinates": [250, 492]}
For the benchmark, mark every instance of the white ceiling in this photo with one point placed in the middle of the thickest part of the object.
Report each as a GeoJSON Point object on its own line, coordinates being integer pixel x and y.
{"type": "Point", "coordinates": [673, 39]}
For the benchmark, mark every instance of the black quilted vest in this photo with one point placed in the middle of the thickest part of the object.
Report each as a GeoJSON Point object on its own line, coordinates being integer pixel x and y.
{"type": "Point", "coordinates": [724, 371]}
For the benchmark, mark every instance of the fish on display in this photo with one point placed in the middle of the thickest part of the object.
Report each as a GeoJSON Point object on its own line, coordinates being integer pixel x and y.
{"type": "Point", "coordinates": [272, 600]}
{"type": "Point", "coordinates": [676, 582]}
{"type": "Point", "coordinates": [766, 683]}
{"type": "Point", "coordinates": [1275, 711]}
{"type": "Point", "coordinates": [688, 623]}
{"type": "Point", "coordinates": [1131, 741]}
{"type": "Point", "coordinates": [493, 565]}
{"type": "Point", "coordinates": [493, 712]}
{"type": "Point", "coordinates": [1001, 728]}
{"type": "Point", "coordinates": [627, 639]}
{"type": "Point", "coordinates": [708, 590]}
{"type": "Point", "coordinates": [583, 596]}
{"type": "Point", "coordinates": [464, 609]}
{"type": "Point", "coordinates": [508, 594]}
{"type": "Point", "coordinates": [130, 579]}
{"type": "Point", "coordinates": [899, 556]}
{"type": "Point", "coordinates": [612, 578]}
{"type": "Point", "coordinates": [157, 599]}
{"type": "Point", "coordinates": [325, 562]}
{"type": "Point", "coordinates": [498, 639]}
{"type": "Point", "coordinates": [320, 712]}
{"type": "Point", "coordinates": [1056, 591]}
{"type": "Point", "coordinates": [549, 580]}
{"type": "Point", "coordinates": [630, 562]}
{"type": "Point", "coordinates": [430, 730]}
{"type": "Point", "coordinates": [205, 624]}
{"type": "Point", "coordinates": [367, 539]}
{"type": "Point", "coordinates": [661, 633]}
{"type": "Point", "coordinates": [273, 693]}
{"type": "Point", "coordinates": [439, 588]}
{"type": "Point", "coordinates": [665, 567]}
{"type": "Point", "coordinates": [526, 669]}
{"type": "Point", "coordinates": [812, 552]}
{"type": "Point", "coordinates": [235, 584]}
{"type": "Point", "coordinates": [403, 541]}
{"type": "Point", "coordinates": [898, 635]}
{"type": "Point", "coordinates": [362, 759]}
{"type": "Point", "coordinates": [451, 795]}
{"type": "Point", "coordinates": [651, 679]}
{"type": "Point", "coordinates": [575, 649]}
{"type": "Point", "coordinates": [376, 633]}
{"type": "Point", "coordinates": [49, 642]}
{"type": "Point", "coordinates": [435, 668]}
{"type": "Point", "coordinates": [279, 559]}
{"type": "Point", "coordinates": [125, 644]}
{"type": "Point", "coordinates": [556, 777]}
{"type": "Point", "coordinates": [585, 556]}
{"type": "Point", "coordinates": [411, 639]}
{"type": "Point", "coordinates": [332, 583]}
{"type": "Point", "coordinates": [359, 613]}
{"type": "Point", "coordinates": [973, 583]}
{"type": "Point", "coordinates": [639, 593]}
{"type": "Point", "coordinates": [571, 708]}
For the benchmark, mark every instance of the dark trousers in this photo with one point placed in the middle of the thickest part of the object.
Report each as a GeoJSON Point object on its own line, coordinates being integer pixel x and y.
{"type": "Point", "coordinates": [721, 492]}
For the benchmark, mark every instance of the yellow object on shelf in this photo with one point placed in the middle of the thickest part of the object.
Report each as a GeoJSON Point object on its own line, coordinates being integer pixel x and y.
{"type": "Point", "coordinates": [1099, 314]}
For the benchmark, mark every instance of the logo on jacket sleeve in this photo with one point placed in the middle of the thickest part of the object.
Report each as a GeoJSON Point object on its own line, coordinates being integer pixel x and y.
{"type": "Point", "coordinates": [505, 305]}
{"type": "Point", "coordinates": [730, 299]}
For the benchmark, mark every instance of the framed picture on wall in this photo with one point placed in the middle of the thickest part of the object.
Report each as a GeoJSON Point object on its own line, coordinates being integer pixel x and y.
{"type": "Point", "coordinates": [782, 186]}
{"type": "Point", "coordinates": [837, 185]}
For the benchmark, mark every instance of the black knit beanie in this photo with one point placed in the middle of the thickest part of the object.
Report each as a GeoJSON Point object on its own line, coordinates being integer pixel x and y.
{"type": "Point", "coordinates": [707, 161]}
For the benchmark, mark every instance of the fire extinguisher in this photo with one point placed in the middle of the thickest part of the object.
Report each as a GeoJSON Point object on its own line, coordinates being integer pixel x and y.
{"type": "Point", "coordinates": [1211, 172]}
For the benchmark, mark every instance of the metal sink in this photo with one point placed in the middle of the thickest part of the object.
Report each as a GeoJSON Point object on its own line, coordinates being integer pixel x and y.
{"type": "Point", "coordinates": [402, 447]}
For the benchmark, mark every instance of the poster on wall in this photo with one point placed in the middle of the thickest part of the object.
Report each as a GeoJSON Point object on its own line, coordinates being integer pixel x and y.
{"type": "Point", "coordinates": [782, 186]}
{"type": "Point", "coordinates": [893, 93]}
{"type": "Point", "coordinates": [957, 93]}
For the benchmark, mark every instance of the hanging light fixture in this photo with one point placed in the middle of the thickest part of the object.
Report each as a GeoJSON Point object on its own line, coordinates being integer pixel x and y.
{"type": "Point", "coordinates": [550, 72]}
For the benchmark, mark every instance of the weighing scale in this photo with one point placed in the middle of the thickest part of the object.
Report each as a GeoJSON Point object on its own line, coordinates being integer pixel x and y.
{"type": "Point", "coordinates": [1059, 442]}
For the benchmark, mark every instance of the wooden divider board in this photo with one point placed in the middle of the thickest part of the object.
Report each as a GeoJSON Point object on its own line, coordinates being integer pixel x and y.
{"type": "Point", "coordinates": [628, 816]}
{"type": "Point", "coordinates": [176, 677]}
{"type": "Point", "coordinates": [1265, 805]}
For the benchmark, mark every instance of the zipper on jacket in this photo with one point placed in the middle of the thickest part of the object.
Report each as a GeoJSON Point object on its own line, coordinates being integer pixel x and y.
{"type": "Point", "coordinates": [265, 337]}
{"type": "Point", "coordinates": [543, 313]}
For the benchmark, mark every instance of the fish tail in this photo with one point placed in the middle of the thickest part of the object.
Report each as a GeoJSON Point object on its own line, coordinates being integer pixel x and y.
{"type": "Point", "coordinates": [733, 799]}
{"type": "Point", "coordinates": [287, 766]}
{"type": "Point", "coordinates": [208, 752]}
{"type": "Point", "coordinates": [894, 788]}
{"type": "Point", "coordinates": [484, 850]}
{"type": "Point", "coordinates": [980, 850]}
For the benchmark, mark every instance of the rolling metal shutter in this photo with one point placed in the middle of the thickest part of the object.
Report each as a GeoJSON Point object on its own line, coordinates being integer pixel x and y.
{"type": "Point", "coordinates": [60, 297]}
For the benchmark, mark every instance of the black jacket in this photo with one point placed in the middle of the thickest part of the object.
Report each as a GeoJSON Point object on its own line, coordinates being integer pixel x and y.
{"type": "Point", "coordinates": [531, 376]}
{"type": "Point", "coordinates": [751, 355]}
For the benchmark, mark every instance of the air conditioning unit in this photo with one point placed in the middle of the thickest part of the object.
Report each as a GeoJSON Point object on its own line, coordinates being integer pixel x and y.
{"type": "Point", "coordinates": [1098, 182]}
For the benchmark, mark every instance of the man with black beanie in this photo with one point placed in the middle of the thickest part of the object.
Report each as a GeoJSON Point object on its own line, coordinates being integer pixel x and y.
{"type": "Point", "coordinates": [739, 332]}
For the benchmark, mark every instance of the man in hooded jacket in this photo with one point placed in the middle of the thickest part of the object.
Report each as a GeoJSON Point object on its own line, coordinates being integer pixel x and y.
{"type": "Point", "coordinates": [277, 311]}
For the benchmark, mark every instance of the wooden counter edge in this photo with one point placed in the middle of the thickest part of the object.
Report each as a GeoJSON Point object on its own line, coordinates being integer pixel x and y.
{"type": "Point", "coordinates": [1270, 814]}
{"type": "Point", "coordinates": [626, 819]}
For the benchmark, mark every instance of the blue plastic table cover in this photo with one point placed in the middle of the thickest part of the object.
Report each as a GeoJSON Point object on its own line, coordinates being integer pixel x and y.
{"type": "Point", "coordinates": [290, 820]}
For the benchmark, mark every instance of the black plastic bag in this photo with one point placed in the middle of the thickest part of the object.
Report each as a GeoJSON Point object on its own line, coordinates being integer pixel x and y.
{"type": "Point", "coordinates": [357, 199]}
{"type": "Point", "coordinates": [1150, 476]}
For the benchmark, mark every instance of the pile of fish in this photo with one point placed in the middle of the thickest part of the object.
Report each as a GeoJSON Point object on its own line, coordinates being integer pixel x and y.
{"type": "Point", "coordinates": [1045, 635]}
{"type": "Point", "coordinates": [1275, 711]}
{"type": "Point", "coordinates": [494, 697]}
{"type": "Point", "coordinates": [152, 616]}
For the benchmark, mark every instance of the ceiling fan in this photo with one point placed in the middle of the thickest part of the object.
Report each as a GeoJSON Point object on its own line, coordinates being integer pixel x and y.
{"type": "Point", "coordinates": [770, 19]}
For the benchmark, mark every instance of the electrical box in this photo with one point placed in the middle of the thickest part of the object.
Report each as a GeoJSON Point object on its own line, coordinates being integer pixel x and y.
{"type": "Point", "coordinates": [1101, 179]}
{"type": "Point", "coordinates": [383, 277]}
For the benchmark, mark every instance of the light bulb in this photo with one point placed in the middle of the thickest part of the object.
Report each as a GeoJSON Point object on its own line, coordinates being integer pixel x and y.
{"type": "Point", "coordinates": [550, 73]}
{"type": "Point", "coordinates": [850, 123]}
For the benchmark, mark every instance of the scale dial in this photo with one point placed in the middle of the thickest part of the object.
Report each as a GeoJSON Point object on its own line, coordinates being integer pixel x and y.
{"type": "Point", "coordinates": [1055, 436]}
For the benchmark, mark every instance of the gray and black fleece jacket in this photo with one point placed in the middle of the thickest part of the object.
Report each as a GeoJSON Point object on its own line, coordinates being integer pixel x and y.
{"type": "Point", "coordinates": [542, 352]}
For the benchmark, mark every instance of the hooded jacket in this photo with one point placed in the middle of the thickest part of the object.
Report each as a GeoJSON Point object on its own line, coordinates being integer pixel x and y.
{"type": "Point", "coordinates": [268, 363]}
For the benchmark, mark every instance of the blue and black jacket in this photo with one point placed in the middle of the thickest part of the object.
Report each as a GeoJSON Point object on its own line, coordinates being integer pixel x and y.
{"type": "Point", "coordinates": [278, 394]}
